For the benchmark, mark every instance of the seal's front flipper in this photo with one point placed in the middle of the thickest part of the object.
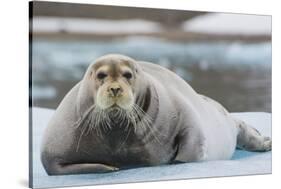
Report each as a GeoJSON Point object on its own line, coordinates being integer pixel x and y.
{"type": "Point", "coordinates": [81, 168]}
{"type": "Point", "coordinates": [250, 139]}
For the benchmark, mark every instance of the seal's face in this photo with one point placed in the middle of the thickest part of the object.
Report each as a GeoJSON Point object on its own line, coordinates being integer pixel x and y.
{"type": "Point", "coordinates": [114, 82]}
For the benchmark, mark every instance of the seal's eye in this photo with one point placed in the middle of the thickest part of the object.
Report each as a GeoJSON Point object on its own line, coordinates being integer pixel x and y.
{"type": "Point", "coordinates": [127, 75]}
{"type": "Point", "coordinates": [101, 75]}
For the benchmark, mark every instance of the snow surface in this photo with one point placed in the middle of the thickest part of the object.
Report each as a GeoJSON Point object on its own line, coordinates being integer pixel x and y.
{"type": "Point", "coordinates": [242, 163]}
{"type": "Point", "coordinates": [227, 23]}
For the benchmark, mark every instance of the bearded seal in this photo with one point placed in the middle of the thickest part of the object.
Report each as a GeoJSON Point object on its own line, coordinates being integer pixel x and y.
{"type": "Point", "coordinates": [126, 113]}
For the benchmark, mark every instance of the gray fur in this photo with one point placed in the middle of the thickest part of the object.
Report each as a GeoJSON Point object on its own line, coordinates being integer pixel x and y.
{"type": "Point", "coordinates": [184, 127]}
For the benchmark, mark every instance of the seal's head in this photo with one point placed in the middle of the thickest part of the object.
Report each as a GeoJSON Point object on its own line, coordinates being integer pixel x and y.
{"type": "Point", "coordinates": [115, 79]}
{"type": "Point", "coordinates": [115, 93]}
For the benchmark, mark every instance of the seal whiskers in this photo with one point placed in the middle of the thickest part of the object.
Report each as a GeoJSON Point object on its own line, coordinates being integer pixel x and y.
{"type": "Point", "coordinates": [145, 122]}
{"type": "Point", "coordinates": [90, 120]}
{"type": "Point", "coordinates": [84, 116]}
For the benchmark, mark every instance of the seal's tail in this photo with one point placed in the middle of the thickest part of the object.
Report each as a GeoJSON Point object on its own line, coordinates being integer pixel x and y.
{"type": "Point", "coordinates": [250, 139]}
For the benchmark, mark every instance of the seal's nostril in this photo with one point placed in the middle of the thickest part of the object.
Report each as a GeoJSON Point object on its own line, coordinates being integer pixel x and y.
{"type": "Point", "coordinates": [115, 91]}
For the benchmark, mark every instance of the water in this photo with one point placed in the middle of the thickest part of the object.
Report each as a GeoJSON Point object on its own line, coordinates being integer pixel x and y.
{"type": "Point", "coordinates": [236, 74]}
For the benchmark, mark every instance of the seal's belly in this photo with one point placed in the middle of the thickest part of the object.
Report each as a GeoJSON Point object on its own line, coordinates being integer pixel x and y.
{"type": "Point", "coordinates": [133, 152]}
{"type": "Point", "coordinates": [133, 157]}
{"type": "Point", "coordinates": [141, 155]}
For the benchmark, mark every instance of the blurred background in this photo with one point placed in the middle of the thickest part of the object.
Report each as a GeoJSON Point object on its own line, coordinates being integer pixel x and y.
{"type": "Point", "coordinates": [224, 56]}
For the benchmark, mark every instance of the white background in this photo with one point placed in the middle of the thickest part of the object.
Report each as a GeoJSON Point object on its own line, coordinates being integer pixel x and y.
{"type": "Point", "coordinates": [14, 91]}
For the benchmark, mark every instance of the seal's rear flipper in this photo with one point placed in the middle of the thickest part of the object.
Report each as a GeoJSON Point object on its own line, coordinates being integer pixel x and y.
{"type": "Point", "coordinates": [250, 139]}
